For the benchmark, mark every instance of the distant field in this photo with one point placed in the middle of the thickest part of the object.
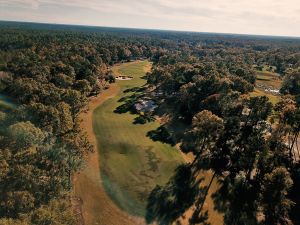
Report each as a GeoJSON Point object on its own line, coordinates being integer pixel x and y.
{"type": "Point", "coordinates": [257, 92]}
{"type": "Point", "coordinates": [131, 163]}
{"type": "Point", "coordinates": [267, 80]}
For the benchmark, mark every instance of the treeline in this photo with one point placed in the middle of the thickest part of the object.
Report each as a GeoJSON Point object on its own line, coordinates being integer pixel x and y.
{"type": "Point", "coordinates": [50, 75]}
{"type": "Point", "coordinates": [249, 144]}
{"type": "Point", "coordinates": [51, 70]}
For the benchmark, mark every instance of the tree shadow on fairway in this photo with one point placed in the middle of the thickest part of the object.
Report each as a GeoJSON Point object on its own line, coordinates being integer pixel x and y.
{"type": "Point", "coordinates": [143, 119]}
{"type": "Point", "coordinates": [187, 191]}
{"type": "Point", "coordinates": [167, 203]}
{"type": "Point", "coordinates": [129, 101]}
{"type": "Point", "coordinates": [128, 104]}
{"type": "Point", "coordinates": [161, 134]}
{"type": "Point", "coordinates": [135, 89]}
{"type": "Point", "coordinates": [144, 77]}
{"type": "Point", "coordinates": [236, 202]}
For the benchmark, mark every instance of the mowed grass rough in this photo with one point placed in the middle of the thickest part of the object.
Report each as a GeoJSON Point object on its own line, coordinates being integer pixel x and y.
{"type": "Point", "coordinates": [272, 98]}
{"type": "Point", "coordinates": [267, 79]}
{"type": "Point", "coordinates": [131, 163]}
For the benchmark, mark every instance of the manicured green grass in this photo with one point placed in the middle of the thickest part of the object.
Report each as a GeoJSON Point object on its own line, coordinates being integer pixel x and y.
{"type": "Point", "coordinates": [131, 163]}
{"type": "Point", "coordinates": [266, 79]}
{"type": "Point", "coordinates": [273, 98]}
{"type": "Point", "coordinates": [269, 79]}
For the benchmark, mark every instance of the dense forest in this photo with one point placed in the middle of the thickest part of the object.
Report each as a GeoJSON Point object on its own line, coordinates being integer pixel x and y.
{"type": "Point", "coordinates": [204, 80]}
{"type": "Point", "coordinates": [250, 144]}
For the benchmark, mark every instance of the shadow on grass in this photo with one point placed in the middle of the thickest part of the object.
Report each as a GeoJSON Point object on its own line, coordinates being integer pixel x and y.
{"type": "Point", "coordinates": [129, 101]}
{"type": "Point", "coordinates": [161, 134]}
{"type": "Point", "coordinates": [185, 192]}
{"type": "Point", "coordinates": [128, 104]}
{"type": "Point", "coordinates": [235, 199]}
{"type": "Point", "coordinates": [167, 203]}
{"type": "Point", "coordinates": [126, 107]}
{"type": "Point", "coordinates": [135, 89]}
{"type": "Point", "coordinates": [144, 77]}
{"type": "Point", "coordinates": [143, 119]}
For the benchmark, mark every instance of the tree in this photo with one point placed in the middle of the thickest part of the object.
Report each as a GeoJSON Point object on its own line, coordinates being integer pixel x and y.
{"type": "Point", "coordinates": [17, 202]}
{"type": "Point", "coordinates": [45, 116]}
{"type": "Point", "coordinates": [289, 124]}
{"type": "Point", "coordinates": [65, 117]}
{"type": "Point", "coordinates": [206, 128]}
{"type": "Point", "coordinates": [56, 212]}
{"type": "Point", "coordinates": [246, 74]}
{"type": "Point", "coordinates": [13, 222]}
{"type": "Point", "coordinates": [25, 134]}
{"type": "Point", "coordinates": [63, 81]}
{"type": "Point", "coordinates": [4, 168]}
{"type": "Point", "coordinates": [291, 84]}
{"type": "Point", "coordinates": [83, 86]}
{"type": "Point", "coordinates": [276, 205]}
{"type": "Point", "coordinates": [75, 100]}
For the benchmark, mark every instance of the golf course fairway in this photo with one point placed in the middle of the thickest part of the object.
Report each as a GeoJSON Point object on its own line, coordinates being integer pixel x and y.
{"type": "Point", "coordinates": [131, 164]}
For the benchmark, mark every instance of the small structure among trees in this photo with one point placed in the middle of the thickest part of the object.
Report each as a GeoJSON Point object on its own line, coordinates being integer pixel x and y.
{"type": "Point", "coordinates": [145, 105]}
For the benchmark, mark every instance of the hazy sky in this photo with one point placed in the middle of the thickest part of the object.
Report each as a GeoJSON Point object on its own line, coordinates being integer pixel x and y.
{"type": "Point", "coordinates": [274, 17]}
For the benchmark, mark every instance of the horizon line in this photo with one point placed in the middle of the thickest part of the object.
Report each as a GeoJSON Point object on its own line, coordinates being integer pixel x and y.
{"type": "Point", "coordinates": [153, 29]}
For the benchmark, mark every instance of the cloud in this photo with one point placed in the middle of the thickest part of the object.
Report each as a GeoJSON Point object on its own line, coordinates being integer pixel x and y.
{"type": "Point", "coordinates": [239, 16]}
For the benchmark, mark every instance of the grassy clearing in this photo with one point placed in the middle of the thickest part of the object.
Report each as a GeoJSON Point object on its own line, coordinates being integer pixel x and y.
{"type": "Point", "coordinates": [266, 80]}
{"type": "Point", "coordinates": [273, 98]}
{"type": "Point", "coordinates": [131, 163]}
{"type": "Point", "coordinates": [269, 79]}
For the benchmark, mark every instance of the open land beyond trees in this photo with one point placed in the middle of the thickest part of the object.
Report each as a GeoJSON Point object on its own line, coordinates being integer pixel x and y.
{"type": "Point", "coordinates": [266, 82]}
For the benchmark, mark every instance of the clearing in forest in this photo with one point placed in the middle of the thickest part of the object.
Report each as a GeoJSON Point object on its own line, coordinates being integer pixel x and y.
{"type": "Point", "coordinates": [131, 163]}
{"type": "Point", "coordinates": [268, 84]}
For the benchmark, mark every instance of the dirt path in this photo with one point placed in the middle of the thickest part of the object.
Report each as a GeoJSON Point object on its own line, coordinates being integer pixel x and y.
{"type": "Point", "coordinates": [97, 207]}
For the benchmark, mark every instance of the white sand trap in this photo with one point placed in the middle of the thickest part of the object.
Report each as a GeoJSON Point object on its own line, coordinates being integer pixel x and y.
{"type": "Point", "coordinates": [124, 78]}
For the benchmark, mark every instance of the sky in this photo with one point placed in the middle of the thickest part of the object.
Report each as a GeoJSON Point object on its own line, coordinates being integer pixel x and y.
{"type": "Point", "coordinates": [268, 17]}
